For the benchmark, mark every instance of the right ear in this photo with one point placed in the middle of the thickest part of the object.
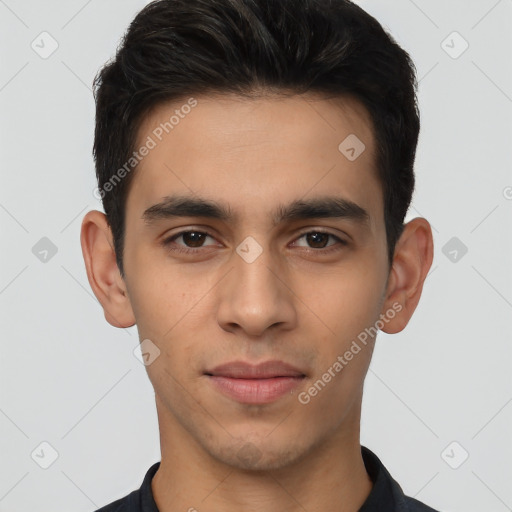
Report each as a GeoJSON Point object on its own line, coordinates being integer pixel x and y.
{"type": "Point", "coordinates": [102, 270]}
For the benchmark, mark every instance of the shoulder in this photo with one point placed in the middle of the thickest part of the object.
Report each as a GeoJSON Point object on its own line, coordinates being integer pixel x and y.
{"type": "Point", "coordinates": [413, 505]}
{"type": "Point", "coordinates": [120, 505]}
{"type": "Point", "coordinates": [386, 490]}
{"type": "Point", "coordinates": [138, 500]}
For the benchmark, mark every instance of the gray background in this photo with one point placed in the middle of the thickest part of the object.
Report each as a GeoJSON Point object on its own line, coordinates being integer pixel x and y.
{"type": "Point", "coordinates": [71, 380]}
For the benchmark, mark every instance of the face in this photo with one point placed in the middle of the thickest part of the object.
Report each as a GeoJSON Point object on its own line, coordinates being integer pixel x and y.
{"type": "Point", "coordinates": [256, 285]}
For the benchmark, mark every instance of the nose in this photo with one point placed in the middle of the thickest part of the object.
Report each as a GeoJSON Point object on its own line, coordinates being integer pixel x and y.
{"type": "Point", "coordinates": [256, 297]}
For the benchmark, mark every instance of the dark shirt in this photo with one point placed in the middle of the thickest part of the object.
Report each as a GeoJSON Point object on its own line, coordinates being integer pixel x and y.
{"type": "Point", "coordinates": [386, 494]}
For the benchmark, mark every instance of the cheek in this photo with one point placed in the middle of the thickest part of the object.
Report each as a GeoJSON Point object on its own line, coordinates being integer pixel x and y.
{"type": "Point", "coordinates": [169, 308]}
{"type": "Point", "coordinates": [160, 293]}
{"type": "Point", "coordinates": [348, 306]}
{"type": "Point", "coordinates": [346, 301]}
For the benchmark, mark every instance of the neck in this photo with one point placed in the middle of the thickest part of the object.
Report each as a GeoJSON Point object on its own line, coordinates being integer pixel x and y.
{"type": "Point", "coordinates": [331, 476]}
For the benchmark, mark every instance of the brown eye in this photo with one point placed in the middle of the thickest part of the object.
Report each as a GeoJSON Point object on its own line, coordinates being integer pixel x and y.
{"type": "Point", "coordinates": [193, 238]}
{"type": "Point", "coordinates": [193, 241]}
{"type": "Point", "coordinates": [317, 240]}
{"type": "Point", "coordinates": [320, 240]}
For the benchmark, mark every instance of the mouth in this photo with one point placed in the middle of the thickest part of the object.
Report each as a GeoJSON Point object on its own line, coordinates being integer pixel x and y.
{"type": "Point", "coordinates": [255, 384]}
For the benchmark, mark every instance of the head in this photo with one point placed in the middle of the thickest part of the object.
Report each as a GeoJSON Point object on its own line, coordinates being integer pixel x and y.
{"type": "Point", "coordinates": [244, 108]}
{"type": "Point", "coordinates": [179, 49]}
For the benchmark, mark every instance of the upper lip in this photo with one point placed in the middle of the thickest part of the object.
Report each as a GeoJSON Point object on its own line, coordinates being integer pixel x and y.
{"type": "Point", "coordinates": [265, 370]}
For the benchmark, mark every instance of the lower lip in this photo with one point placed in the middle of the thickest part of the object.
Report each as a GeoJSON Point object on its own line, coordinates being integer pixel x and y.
{"type": "Point", "coordinates": [255, 391]}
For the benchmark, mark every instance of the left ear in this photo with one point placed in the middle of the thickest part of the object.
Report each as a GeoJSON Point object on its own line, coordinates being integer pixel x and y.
{"type": "Point", "coordinates": [412, 260]}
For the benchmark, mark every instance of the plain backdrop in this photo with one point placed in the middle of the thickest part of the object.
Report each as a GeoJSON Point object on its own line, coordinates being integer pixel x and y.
{"type": "Point", "coordinates": [437, 408]}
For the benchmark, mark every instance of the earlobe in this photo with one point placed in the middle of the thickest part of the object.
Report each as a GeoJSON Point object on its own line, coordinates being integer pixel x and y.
{"type": "Point", "coordinates": [412, 260]}
{"type": "Point", "coordinates": [102, 270]}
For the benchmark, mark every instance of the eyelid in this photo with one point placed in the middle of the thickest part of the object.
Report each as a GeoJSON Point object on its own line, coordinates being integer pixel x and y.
{"type": "Point", "coordinates": [325, 230]}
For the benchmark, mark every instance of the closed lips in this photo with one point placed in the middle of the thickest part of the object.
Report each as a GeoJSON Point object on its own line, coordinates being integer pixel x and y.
{"type": "Point", "coordinates": [265, 370]}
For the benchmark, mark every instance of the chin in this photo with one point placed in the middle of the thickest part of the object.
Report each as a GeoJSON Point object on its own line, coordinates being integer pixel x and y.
{"type": "Point", "coordinates": [259, 455]}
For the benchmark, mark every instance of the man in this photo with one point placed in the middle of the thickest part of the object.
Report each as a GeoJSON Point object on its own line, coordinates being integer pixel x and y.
{"type": "Point", "coordinates": [255, 162]}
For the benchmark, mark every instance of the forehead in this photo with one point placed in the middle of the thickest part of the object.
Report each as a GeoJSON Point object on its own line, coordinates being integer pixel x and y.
{"type": "Point", "coordinates": [253, 153]}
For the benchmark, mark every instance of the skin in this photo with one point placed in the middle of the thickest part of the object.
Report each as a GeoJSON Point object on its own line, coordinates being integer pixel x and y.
{"type": "Point", "coordinates": [292, 303]}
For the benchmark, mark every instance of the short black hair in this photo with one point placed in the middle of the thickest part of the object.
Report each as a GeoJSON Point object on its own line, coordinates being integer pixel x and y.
{"type": "Point", "coordinates": [178, 48]}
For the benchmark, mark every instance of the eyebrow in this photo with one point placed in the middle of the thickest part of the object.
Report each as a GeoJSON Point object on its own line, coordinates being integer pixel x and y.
{"type": "Point", "coordinates": [321, 207]}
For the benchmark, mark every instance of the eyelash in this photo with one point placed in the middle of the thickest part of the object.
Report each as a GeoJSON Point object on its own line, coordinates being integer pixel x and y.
{"type": "Point", "coordinates": [187, 250]}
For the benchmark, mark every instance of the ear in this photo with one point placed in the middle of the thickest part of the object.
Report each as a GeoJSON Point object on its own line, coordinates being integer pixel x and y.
{"type": "Point", "coordinates": [102, 270]}
{"type": "Point", "coordinates": [411, 263]}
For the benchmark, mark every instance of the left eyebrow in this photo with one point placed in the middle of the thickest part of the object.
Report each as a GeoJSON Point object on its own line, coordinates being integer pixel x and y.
{"type": "Point", "coordinates": [317, 208]}
{"type": "Point", "coordinates": [322, 208]}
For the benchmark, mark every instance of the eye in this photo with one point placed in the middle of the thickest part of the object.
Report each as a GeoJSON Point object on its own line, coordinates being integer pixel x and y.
{"type": "Point", "coordinates": [318, 239]}
{"type": "Point", "coordinates": [192, 239]}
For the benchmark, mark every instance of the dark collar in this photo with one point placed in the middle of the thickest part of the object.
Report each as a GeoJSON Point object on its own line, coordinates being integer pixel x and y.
{"type": "Point", "coordinates": [382, 496]}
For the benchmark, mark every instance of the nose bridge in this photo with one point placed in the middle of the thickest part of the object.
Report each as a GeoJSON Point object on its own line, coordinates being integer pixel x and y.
{"type": "Point", "coordinates": [256, 277]}
{"type": "Point", "coordinates": [255, 296]}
